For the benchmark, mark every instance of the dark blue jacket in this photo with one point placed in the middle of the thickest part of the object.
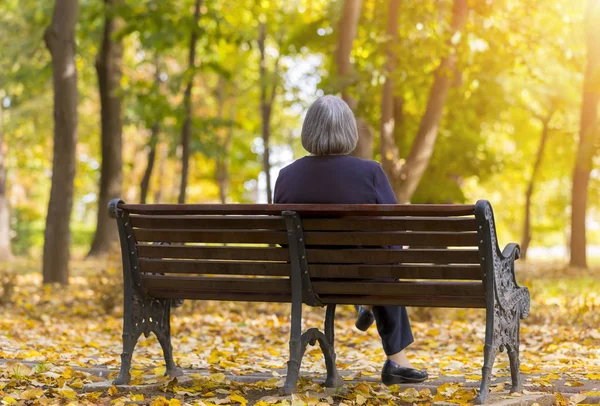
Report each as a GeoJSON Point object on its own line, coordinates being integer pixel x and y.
{"type": "Point", "coordinates": [332, 179]}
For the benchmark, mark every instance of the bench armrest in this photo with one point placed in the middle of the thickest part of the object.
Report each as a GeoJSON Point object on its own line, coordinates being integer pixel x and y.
{"type": "Point", "coordinates": [512, 250]}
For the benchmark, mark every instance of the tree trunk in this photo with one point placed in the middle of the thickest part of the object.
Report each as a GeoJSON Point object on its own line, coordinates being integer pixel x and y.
{"type": "Point", "coordinates": [60, 40]}
{"type": "Point", "coordinates": [389, 151]}
{"type": "Point", "coordinates": [530, 187]}
{"type": "Point", "coordinates": [405, 177]}
{"type": "Point", "coordinates": [145, 185]}
{"type": "Point", "coordinates": [588, 135]}
{"type": "Point", "coordinates": [5, 249]}
{"type": "Point", "coordinates": [163, 155]}
{"type": "Point", "coordinates": [266, 106]}
{"type": "Point", "coordinates": [222, 162]}
{"type": "Point", "coordinates": [186, 129]}
{"type": "Point", "coordinates": [108, 67]}
{"type": "Point", "coordinates": [347, 33]}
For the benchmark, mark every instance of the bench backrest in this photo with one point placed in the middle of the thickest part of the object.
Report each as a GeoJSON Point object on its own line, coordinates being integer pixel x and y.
{"type": "Point", "coordinates": [245, 252]}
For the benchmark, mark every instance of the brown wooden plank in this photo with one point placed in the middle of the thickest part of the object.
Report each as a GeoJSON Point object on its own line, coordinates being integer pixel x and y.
{"type": "Point", "coordinates": [215, 267]}
{"type": "Point", "coordinates": [161, 293]}
{"type": "Point", "coordinates": [382, 256]}
{"type": "Point", "coordinates": [218, 253]}
{"type": "Point", "coordinates": [449, 272]}
{"type": "Point", "coordinates": [212, 236]}
{"type": "Point", "coordinates": [391, 224]}
{"type": "Point", "coordinates": [333, 210]}
{"type": "Point", "coordinates": [209, 222]}
{"type": "Point", "coordinates": [413, 239]}
{"type": "Point", "coordinates": [462, 289]}
{"type": "Point", "coordinates": [417, 301]}
{"type": "Point", "coordinates": [216, 284]}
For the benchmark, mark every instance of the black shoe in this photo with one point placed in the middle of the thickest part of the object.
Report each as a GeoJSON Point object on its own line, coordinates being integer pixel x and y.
{"type": "Point", "coordinates": [364, 319]}
{"type": "Point", "coordinates": [393, 373]}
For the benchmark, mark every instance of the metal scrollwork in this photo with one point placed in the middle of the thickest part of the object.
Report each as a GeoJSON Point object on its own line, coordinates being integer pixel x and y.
{"type": "Point", "coordinates": [142, 314]}
{"type": "Point", "coordinates": [507, 302]}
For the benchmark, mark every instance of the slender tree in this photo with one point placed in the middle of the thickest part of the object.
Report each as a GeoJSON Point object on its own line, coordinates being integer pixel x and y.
{"type": "Point", "coordinates": [5, 249]}
{"type": "Point", "coordinates": [224, 142]}
{"type": "Point", "coordinates": [406, 175]}
{"type": "Point", "coordinates": [266, 103]}
{"type": "Point", "coordinates": [588, 136]}
{"type": "Point", "coordinates": [108, 68]}
{"type": "Point", "coordinates": [60, 41]}
{"type": "Point", "coordinates": [347, 33]}
{"type": "Point", "coordinates": [186, 129]}
{"type": "Point", "coordinates": [154, 133]}
{"type": "Point", "coordinates": [531, 184]}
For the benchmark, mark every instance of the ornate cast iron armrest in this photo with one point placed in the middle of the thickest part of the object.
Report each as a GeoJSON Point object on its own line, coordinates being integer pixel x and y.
{"type": "Point", "coordinates": [512, 250]}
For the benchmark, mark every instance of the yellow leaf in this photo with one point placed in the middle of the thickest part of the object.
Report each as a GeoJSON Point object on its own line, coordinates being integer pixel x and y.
{"type": "Point", "coordinates": [360, 399]}
{"type": "Point", "coordinates": [8, 400]}
{"type": "Point", "coordinates": [31, 394]}
{"type": "Point", "coordinates": [498, 388]}
{"type": "Point", "coordinates": [578, 398]}
{"type": "Point", "coordinates": [593, 377]}
{"type": "Point", "coordinates": [363, 387]}
{"type": "Point", "coordinates": [137, 397]}
{"type": "Point", "coordinates": [174, 402]}
{"type": "Point", "coordinates": [68, 373]}
{"type": "Point", "coordinates": [574, 383]}
{"type": "Point", "coordinates": [560, 399]}
{"type": "Point", "coordinates": [220, 377]}
{"type": "Point", "coordinates": [160, 401]}
{"type": "Point", "coordinates": [68, 393]}
{"type": "Point", "coordinates": [112, 391]}
{"type": "Point", "coordinates": [239, 399]}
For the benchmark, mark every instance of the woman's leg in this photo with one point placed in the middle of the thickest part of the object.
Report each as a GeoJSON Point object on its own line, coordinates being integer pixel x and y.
{"type": "Point", "coordinates": [395, 332]}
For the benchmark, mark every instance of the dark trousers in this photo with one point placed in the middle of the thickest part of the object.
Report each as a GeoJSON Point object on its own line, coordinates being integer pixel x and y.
{"type": "Point", "coordinates": [393, 327]}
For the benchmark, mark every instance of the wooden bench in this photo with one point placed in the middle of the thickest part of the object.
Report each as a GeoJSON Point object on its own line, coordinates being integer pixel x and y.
{"type": "Point", "coordinates": [319, 255]}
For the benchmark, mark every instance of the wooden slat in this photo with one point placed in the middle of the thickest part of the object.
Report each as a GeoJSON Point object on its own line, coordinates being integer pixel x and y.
{"type": "Point", "coordinates": [210, 222]}
{"type": "Point", "coordinates": [391, 224]}
{"type": "Point", "coordinates": [461, 289]}
{"type": "Point", "coordinates": [219, 253]}
{"type": "Point", "coordinates": [333, 210]}
{"type": "Point", "coordinates": [457, 272]}
{"type": "Point", "coordinates": [413, 239]}
{"type": "Point", "coordinates": [417, 301]}
{"type": "Point", "coordinates": [382, 256]}
{"type": "Point", "coordinates": [212, 267]}
{"type": "Point", "coordinates": [212, 236]}
{"type": "Point", "coordinates": [216, 284]}
{"type": "Point", "coordinates": [161, 293]}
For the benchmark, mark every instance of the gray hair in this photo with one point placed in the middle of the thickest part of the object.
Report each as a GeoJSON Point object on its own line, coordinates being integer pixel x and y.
{"type": "Point", "coordinates": [329, 127]}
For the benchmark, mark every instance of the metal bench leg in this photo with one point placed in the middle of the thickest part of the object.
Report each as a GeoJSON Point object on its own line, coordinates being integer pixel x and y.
{"type": "Point", "coordinates": [129, 342]}
{"type": "Point", "coordinates": [333, 377]}
{"type": "Point", "coordinates": [296, 350]}
{"type": "Point", "coordinates": [489, 355]}
{"type": "Point", "coordinates": [163, 334]}
{"type": "Point", "coordinates": [515, 365]}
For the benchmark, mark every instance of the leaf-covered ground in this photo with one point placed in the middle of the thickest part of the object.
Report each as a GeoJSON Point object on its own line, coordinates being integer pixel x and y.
{"type": "Point", "coordinates": [54, 340]}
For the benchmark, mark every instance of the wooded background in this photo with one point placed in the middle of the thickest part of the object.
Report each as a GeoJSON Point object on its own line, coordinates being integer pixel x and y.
{"type": "Point", "coordinates": [201, 101]}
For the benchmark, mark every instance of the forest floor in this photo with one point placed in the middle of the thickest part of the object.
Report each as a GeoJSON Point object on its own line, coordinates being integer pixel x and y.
{"type": "Point", "coordinates": [56, 340]}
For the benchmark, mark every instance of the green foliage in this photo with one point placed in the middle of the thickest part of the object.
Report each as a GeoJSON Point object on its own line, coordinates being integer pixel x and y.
{"type": "Point", "coordinates": [520, 61]}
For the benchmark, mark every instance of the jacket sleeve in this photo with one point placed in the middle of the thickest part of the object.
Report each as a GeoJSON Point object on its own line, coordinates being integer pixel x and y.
{"type": "Point", "coordinates": [385, 194]}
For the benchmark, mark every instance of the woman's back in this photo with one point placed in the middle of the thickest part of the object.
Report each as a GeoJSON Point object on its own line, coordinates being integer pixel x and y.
{"type": "Point", "coordinates": [332, 179]}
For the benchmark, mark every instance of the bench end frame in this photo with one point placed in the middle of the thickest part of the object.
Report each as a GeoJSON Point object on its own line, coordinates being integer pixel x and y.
{"type": "Point", "coordinates": [142, 314]}
{"type": "Point", "coordinates": [506, 301]}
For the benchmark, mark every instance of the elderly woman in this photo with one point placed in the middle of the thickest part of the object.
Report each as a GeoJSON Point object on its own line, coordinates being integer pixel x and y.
{"type": "Point", "coordinates": [330, 175]}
